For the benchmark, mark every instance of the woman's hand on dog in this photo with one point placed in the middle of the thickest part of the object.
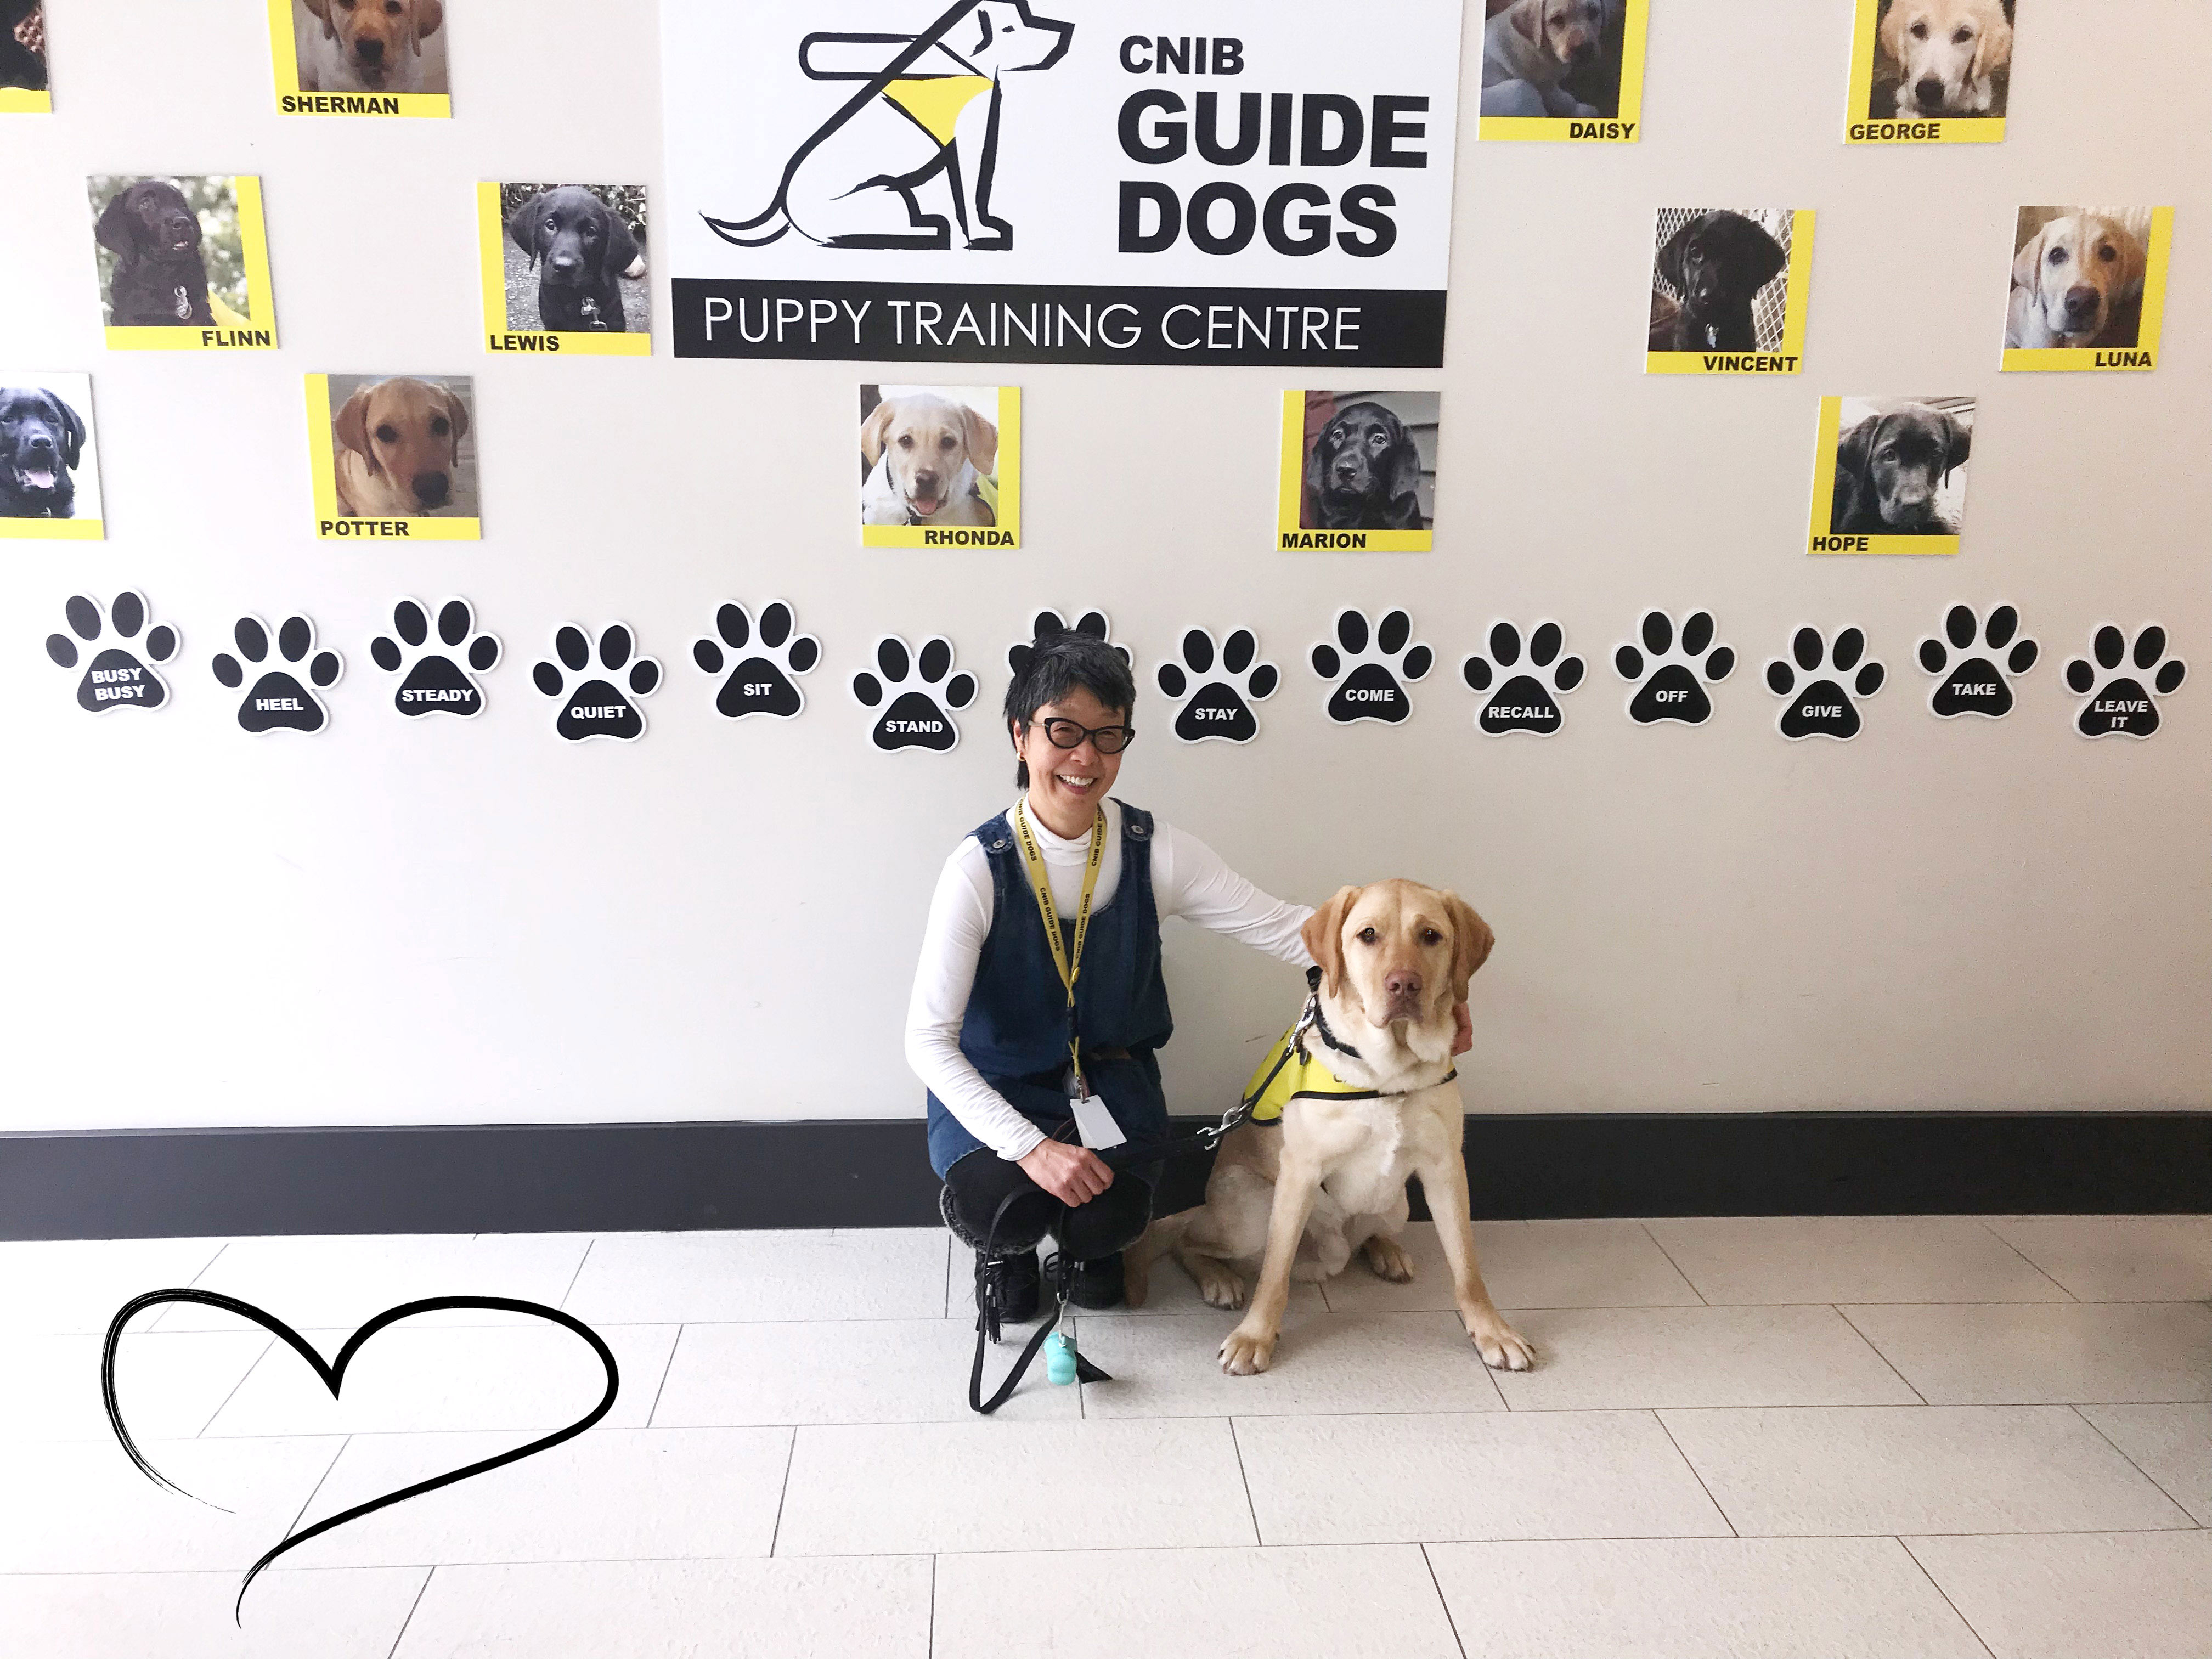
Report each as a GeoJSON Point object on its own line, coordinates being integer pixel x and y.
{"type": "Point", "coordinates": [1073, 1175]}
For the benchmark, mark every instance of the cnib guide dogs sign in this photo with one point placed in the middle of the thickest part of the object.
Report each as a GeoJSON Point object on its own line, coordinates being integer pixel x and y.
{"type": "Point", "coordinates": [1247, 181]}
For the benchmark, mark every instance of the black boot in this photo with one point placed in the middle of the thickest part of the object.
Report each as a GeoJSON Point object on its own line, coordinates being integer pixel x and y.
{"type": "Point", "coordinates": [1005, 1289]}
{"type": "Point", "coordinates": [1096, 1284]}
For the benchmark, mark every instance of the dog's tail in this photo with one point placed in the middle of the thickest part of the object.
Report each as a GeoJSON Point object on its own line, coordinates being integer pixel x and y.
{"type": "Point", "coordinates": [1158, 1239]}
{"type": "Point", "coordinates": [748, 233]}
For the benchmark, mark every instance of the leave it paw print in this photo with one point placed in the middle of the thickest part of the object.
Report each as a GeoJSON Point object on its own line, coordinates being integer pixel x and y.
{"type": "Point", "coordinates": [1980, 682]}
{"type": "Point", "coordinates": [598, 707]}
{"type": "Point", "coordinates": [1822, 707]}
{"type": "Point", "coordinates": [1219, 699]}
{"type": "Point", "coordinates": [2118, 702]}
{"type": "Point", "coordinates": [435, 682]}
{"type": "Point", "coordinates": [1669, 683]}
{"type": "Point", "coordinates": [1092, 623]}
{"type": "Point", "coordinates": [916, 718]}
{"type": "Point", "coordinates": [119, 677]}
{"type": "Point", "coordinates": [1372, 666]}
{"type": "Point", "coordinates": [1527, 701]}
{"type": "Point", "coordinates": [761, 683]}
{"type": "Point", "coordinates": [278, 701]}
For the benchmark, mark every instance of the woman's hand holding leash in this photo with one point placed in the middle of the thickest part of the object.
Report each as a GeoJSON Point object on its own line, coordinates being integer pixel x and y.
{"type": "Point", "coordinates": [1073, 1175]}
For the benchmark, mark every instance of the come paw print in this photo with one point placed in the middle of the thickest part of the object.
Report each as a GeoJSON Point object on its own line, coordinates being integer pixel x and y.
{"type": "Point", "coordinates": [120, 675]}
{"type": "Point", "coordinates": [597, 707]}
{"type": "Point", "coordinates": [1669, 676]}
{"type": "Point", "coordinates": [1215, 691]}
{"type": "Point", "coordinates": [278, 701]}
{"type": "Point", "coordinates": [2120, 684]}
{"type": "Point", "coordinates": [1527, 701]}
{"type": "Point", "coordinates": [1370, 668]}
{"type": "Point", "coordinates": [1975, 681]}
{"type": "Point", "coordinates": [762, 680]}
{"type": "Point", "coordinates": [1821, 682]}
{"type": "Point", "coordinates": [915, 691]}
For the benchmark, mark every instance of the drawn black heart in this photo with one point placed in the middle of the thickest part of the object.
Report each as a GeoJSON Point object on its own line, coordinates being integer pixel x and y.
{"type": "Point", "coordinates": [333, 1376]}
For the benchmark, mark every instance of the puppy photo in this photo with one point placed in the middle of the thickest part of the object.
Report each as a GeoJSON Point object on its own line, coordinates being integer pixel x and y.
{"type": "Point", "coordinates": [1563, 60]}
{"type": "Point", "coordinates": [183, 252]}
{"type": "Point", "coordinates": [1720, 280]}
{"type": "Point", "coordinates": [49, 471]}
{"type": "Point", "coordinates": [936, 461]}
{"type": "Point", "coordinates": [2077, 278]}
{"type": "Point", "coordinates": [1900, 466]}
{"type": "Point", "coordinates": [570, 259]}
{"type": "Point", "coordinates": [1946, 59]}
{"type": "Point", "coordinates": [369, 45]}
{"type": "Point", "coordinates": [1363, 464]}
{"type": "Point", "coordinates": [23, 57]}
{"type": "Point", "coordinates": [401, 445]}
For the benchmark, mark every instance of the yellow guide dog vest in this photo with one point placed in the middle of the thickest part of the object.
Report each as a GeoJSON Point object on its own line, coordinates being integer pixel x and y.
{"type": "Point", "coordinates": [933, 103]}
{"type": "Point", "coordinates": [1297, 1075]}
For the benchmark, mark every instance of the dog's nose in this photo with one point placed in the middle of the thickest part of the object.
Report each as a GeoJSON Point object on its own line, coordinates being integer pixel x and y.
{"type": "Point", "coordinates": [2080, 302]}
{"type": "Point", "coordinates": [925, 481]}
{"type": "Point", "coordinates": [1584, 53]}
{"type": "Point", "coordinates": [1928, 94]}
{"type": "Point", "coordinates": [430, 487]}
{"type": "Point", "coordinates": [40, 443]}
{"type": "Point", "coordinates": [1402, 987]}
{"type": "Point", "coordinates": [564, 262]}
{"type": "Point", "coordinates": [369, 51]}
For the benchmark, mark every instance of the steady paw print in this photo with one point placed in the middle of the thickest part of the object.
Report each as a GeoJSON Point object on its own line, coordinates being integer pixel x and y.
{"type": "Point", "coordinates": [1976, 682]}
{"type": "Point", "coordinates": [1217, 700]}
{"type": "Point", "coordinates": [119, 676]}
{"type": "Point", "coordinates": [1527, 701]}
{"type": "Point", "coordinates": [1093, 624]}
{"type": "Point", "coordinates": [761, 682]}
{"type": "Point", "coordinates": [278, 701]}
{"type": "Point", "coordinates": [436, 681]}
{"type": "Point", "coordinates": [598, 707]}
{"type": "Point", "coordinates": [920, 691]}
{"type": "Point", "coordinates": [1370, 666]}
{"type": "Point", "coordinates": [1668, 675]}
{"type": "Point", "coordinates": [2119, 684]}
{"type": "Point", "coordinates": [1822, 706]}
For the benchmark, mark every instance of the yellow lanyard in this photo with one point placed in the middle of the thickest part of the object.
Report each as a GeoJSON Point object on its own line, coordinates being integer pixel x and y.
{"type": "Point", "coordinates": [1066, 958]}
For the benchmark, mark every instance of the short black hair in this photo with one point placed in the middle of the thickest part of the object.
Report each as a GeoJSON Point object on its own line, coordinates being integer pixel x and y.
{"type": "Point", "coordinates": [1057, 664]}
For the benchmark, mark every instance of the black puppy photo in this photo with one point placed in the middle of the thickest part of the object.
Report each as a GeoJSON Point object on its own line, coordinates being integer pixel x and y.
{"type": "Point", "coordinates": [1363, 461]}
{"type": "Point", "coordinates": [41, 441]}
{"type": "Point", "coordinates": [576, 257]}
{"type": "Point", "coordinates": [1707, 278]}
{"type": "Point", "coordinates": [1900, 466]}
{"type": "Point", "coordinates": [23, 45]}
{"type": "Point", "coordinates": [158, 238]}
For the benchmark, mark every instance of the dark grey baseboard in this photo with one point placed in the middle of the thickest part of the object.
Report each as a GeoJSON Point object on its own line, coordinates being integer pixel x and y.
{"type": "Point", "coordinates": [602, 1178]}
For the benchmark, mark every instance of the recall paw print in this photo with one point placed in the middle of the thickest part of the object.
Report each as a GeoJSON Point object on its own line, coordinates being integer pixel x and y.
{"type": "Point", "coordinates": [598, 707]}
{"type": "Point", "coordinates": [2119, 701]}
{"type": "Point", "coordinates": [278, 703]}
{"type": "Point", "coordinates": [1527, 701]}
{"type": "Point", "coordinates": [1670, 675]}
{"type": "Point", "coordinates": [1371, 665]}
{"type": "Point", "coordinates": [1219, 699]}
{"type": "Point", "coordinates": [1978, 682]}
{"type": "Point", "coordinates": [1091, 623]}
{"type": "Point", "coordinates": [1823, 708]}
{"type": "Point", "coordinates": [120, 676]}
{"type": "Point", "coordinates": [762, 683]}
{"type": "Point", "coordinates": [917, 716]}
{"type": "Point", "coordinates": [436, 681]}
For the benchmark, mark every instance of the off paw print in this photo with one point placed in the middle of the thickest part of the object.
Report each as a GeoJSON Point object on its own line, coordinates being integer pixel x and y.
{"type": "Point", "coordinates": [761, 682]}
{"type": "Point", "coordinates": [120, 676]}
{"type": "Point", "coordinates": [921, 688]}
{"type": "Point", "coordinates": [1216, 692]}
{"type": "Point", "coordinates": [278, 701]}
{"type": "Point", "coordinates": [1371, 668]}
{"type": "Point", "coordinates": [2120, 683]}
{"type": "Point", "coordinates": [1975, 681]}
{"type": "Point", "coordinates": [1668, 675]}
{"type": "Point", "coordinates": [1529, 701]}
{"type": "Point", "coordinates": [436, 681]}
{"type": "Point", "coordinates": [599, 707]}
{"type": "Point", "coordinates": [1822, 706]}
{"type": "Point", "coordinates": [1093, 624]}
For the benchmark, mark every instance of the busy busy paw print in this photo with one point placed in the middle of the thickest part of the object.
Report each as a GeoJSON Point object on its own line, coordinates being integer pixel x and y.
{"type": "Point", "coordinates": [1092, 625]}
{"type": "Point", "coordinates": [1976, 662]}
{"type": "Point", "coordinates": [2120, 685]}
{"type": "Point", "coordinates": [279, 700]}
{"type": "Point", "coordinates": [121, 672]}
{"type": "Point", "coordinates": [1528, 701]}
{"type": "Point", "coordinates": [768, 657]}
{"type": "Point", "coordinates": [436, 677]}
{"type": "Point", "coordinates": [1669, 674]}
{"type": "Point", "coordinates": [604, 705]}
{"type": "Point", "coordinates": [1215, 691]}
{"type": "Point", "coordinates": [1822, 683]}
{"type": "Point", "coordinates": [914, 693]}
{"type": "Point", "coordinates": [1367, 668]}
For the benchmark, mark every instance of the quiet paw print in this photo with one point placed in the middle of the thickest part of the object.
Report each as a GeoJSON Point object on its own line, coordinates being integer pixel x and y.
{"type": "Point", "coordinates": [121, 674]}
{"type": "Point", "coordinates": [921, 688]}
{"type": "Point", "coordinates": [278, 701]}
{"type": "Point", "coordinates": [2118, 685]}
{"type": "Point", "coordinates": [599, 707]}
{"type": "Point", "coordinates": [1216, 692]}
{"type": "Point", "coordinates": [761, 682]}
{"type": "Point", "coordinates": [1820, 706]}
{"type": "Point", "coordinates": [1527, 701]}
{"type": "Point", "coordinates": [1371, 668]}
{"type": "Point", "coordinates": [441, 678]}
{"type": "Point", "coordinates": [1975, 681]}
{"type": "Point", "coordinates": [1667, 677]}
{"type": "Point", "coordinates": [1092, 624]}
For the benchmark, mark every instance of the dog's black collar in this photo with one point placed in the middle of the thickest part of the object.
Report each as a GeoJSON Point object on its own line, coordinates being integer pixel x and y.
{"type": "Point", "coordinates": [1320, 1020]}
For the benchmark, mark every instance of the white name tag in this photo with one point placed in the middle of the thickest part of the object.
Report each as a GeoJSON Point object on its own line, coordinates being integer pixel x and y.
{"type": "Point", "coordinates": [1095, 1124]}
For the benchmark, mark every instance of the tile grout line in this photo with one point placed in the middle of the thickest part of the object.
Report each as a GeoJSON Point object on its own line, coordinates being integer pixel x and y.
{"type": "Point", "coordinates": [931, 1631]}
{"type": "Point", "coordinates": [564, 1303]}
{"type": "Point", "coordinates": [1703, 1299]}
{"type": "Point", "coordinates": [1878, 1353]}
{"type": "Point", "coordinates": [790, 1456]}
{"type": "Point", "coordinates": [2033, 1265]}
{"type": "Point", "coordinates": [2097, 1429]}
{"type": "Point", "coordinates": [1450, 1623]}
{"type": "Point", "coordinates": [420, 1593]}
{"type": "Point", "coordinates": [1259, 1540]}
{"type": "Point", "coordinates": [1940, 1591]}
{"type": "Point", "coordinates": [262, 1355]}
{"type": "Point", "coordinates": [1697, 1475]}
{"type": "Point", "coordinates": [320, 1482]}
{"type": "Point", "coordinates": [670, 1366]}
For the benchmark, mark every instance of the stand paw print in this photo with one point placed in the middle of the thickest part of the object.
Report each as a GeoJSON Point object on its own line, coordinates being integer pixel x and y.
{"type": "Point", "coordinates": [1370, 668]}
{"type": "Point", "coordinates": [1823, 706]}
{"type": "Point", "coordinates": [1976, 682]}
{"type": "Point", "coordinates": [762, 681]}
{"type": "Point", "coordinates": [1527, 701]}
{"type": "Point", "coordinates": [597, 707]}
{"type": "Point", "coordinates": [439, 679]}
{"type": "Point", "coordinates": [278, 701]}
{"type": "Point", "coordinates": [1093, 624]}
{"type": "Point", "coordinates": [1216, 690]}
{"type": "Point", "coordinates": [1670, 675]}
{"type": "Point", "coordinates": [921, 689]}
{"type": "Point", "coordinates": [119, 676]}
{"type": "Point", "coordinates": [2119, 683]}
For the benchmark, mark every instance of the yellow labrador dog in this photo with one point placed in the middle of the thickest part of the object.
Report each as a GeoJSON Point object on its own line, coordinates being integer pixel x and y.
{"type": "Point", "coordinates": [1946, 53]}
{"type": "Point", "coordinates": [373, 46]}
{"type": "Point", "coordinates": [1530, 46]}
{"type": "Point", "coordinates": [926, 457]}
{"type": "Point", "coordinates": [397, 448]}
{"type": "Point", "coordinates": [2070, 279]}
{"type": "Point", "coordinates": [1329, 1178]}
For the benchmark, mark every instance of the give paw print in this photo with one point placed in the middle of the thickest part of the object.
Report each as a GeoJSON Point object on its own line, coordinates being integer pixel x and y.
{"type": "Point", "coordinates": [1370, 668]}
{"type": "Point", "coordinates": [921, 689]}
{"type": "Point", "coordinates": [1978, 682]}
{"type": "Point", "coordinates": [1667, 677]}
{"type": "Point", "coordinates": [1823, 706]}
{"type": "Point", "coordinates": [599, 707]}
{"type": "Point", "coordinates": [121, 674]}
{"type": "Point", "coordinates": [1527, 701]}
{"type": "Point", "coordinates": [278, 701]}
{"type": "Point", "coordinates": [762, 682]}
{"type": "Point", "coordinates": [1216, 690]}
{"type": "Point", "coordinates": [2118, 685]}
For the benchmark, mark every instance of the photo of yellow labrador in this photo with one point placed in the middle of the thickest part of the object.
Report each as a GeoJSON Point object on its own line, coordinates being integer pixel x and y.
{"type": "Point", "coordinates": [1297, 1196]}
{"type": "Point", "coordinates": [399, 447]}
{"type": "Point", "coordinates": [1948, 59]}
{"type": "Point", "coordinates": [2077, 277]}
{"type": "Point", "coordinates": [929, 455]}
{"type": "Point", "coordinates": [370, 45]}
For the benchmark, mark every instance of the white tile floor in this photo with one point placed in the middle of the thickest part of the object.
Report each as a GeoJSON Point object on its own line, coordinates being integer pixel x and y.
{"type": "Point", "coordinates": [1986, 1439]}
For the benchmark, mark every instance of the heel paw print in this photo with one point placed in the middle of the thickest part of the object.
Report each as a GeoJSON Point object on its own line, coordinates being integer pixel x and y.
{"type": "Point", "coordinates": [2118, 685]}
{"type": "Point", "coordinates": [762, 682]}
{"type": "Point", "coordinates": [439, 679]}
{"type": "Point", "coordinates": [1216, 692]}
{"type": "Point", "coordinates": [278, 701]}
{"type": "Point", "coordinates": [921, 688]}
{"type": "Point", "coordinates": [1092, 623]}
{"type": "Point", "coordinates": [1823, 706]}
{"type": "Point", "coordinates": [598, 707]}
{"type": "Point", "coordinates": [121, 676]}
{"type": "Point", "coordinates": [1527, 701]}
{"type": "Point", "coordinates": [1978, 682]}
{"type": "Point", "coordinates": [1669, 674]}
{"type": "Point", "coordinates": [1374, 665]}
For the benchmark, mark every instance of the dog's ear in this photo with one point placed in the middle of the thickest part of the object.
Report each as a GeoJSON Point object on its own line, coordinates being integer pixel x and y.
{"type": "Point", "coordinates": [1672, 256]}
{"type": "Point", "coordinates": [1890, 35]}
{"type": "Point", "coordinates": [621, 252]}
{"type": "Point", "coordinates": [1317, 457]}
{"type": "Point", "coordinates": [2027, 264]}
{"type": "Point", "coordinates": [117, 229]}
{"type": "Point", "coordinates": [522, 227]}
{"type": "Point", "coordinates": [1853, 453]}
{"type": "Point", "coordinates": [321, 9]}
{"type": "Point", "coordinates": [1401, 474]}
{"type": "Point", "coordinates": [981, 434]}
{"type": "Point", "coordinates": [1471, 942]}
{"type": "Point", "coordinates": [351, 427]}
{"type": "Point", "coordinates": [72, 433]}
{"type": "Point", "coordinates": [1958, 443]}
{"type": "Point", "coordinates": [456, 411]}
{"type": "Point", "coordinates": [1993, 50]}
{"type": "Point", "coordinates": [1762, 254]}
{"type": "Point", "coordinates": [875, 431]}
{"type": "Point", "coordinates": [1323, 933]}
{"type": "Point", "coordinates": [428, 14]}
{"type": "Point", "coordinates": [2134, 263]}
{"type": "Point", "coordinates": [1529, 21]}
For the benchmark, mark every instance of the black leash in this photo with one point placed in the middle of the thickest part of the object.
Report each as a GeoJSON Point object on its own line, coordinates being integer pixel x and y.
{"type": "Point", "coordinates": [987, 1324]}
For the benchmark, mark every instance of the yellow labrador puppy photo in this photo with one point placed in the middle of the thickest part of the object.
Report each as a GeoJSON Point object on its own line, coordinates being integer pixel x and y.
{"type": "Point", "coordinates": [396, 450]}
{"type": "Point", "coordinates": [1943, 58]}
{"type": "Point", "coordinates": [2078, 281]}
{"type": "Point", "coordinates": [1299, 1195]}
{"type": "Point", "coordinates": [928, 457]}
{"type": "Point", "coordinates": [374, 45]}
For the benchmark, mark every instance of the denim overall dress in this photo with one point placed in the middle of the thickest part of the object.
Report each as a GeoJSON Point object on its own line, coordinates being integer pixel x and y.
{"type": "Point", "coordinates": [1015, 1031]}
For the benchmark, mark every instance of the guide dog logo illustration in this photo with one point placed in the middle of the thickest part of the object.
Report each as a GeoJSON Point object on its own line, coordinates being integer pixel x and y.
{"type": "Point", "coordinates": [930, 105]}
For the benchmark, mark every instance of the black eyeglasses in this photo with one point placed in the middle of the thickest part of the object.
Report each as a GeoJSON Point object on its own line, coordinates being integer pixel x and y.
{"type": "Point", "coordinates": [1067, 735]}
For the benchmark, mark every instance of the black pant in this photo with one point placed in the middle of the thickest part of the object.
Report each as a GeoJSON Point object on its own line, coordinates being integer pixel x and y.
{"type": "Point", "coordinates": [991, 1203]}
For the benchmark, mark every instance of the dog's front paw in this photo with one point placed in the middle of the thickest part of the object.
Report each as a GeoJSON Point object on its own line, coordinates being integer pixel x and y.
{"type": "Point", "coordinates": [1387, 1257]}
{"type": "Point", "coordinates": [1247, 1352]}
{"type": "Point", "coordinates": [1502, 1347]}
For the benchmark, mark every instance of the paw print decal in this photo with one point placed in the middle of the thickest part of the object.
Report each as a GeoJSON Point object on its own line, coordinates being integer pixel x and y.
{"type": "Point", "coordinates": [1217, 700]}
{"type": "Point", "coordinates": [2119, 701]}
{"type": "Point", "coordinates": [1823, 708]}
{"type": "Point", "coordinates": [598, 707]}
{"type": "Point", "coordinates": [917, 717]}
{"type": "Point", "coordinates": [436, 681]}
{"type": "Point", "coordinates": [278, 703]}
{"type": "Point", "coordinates": [1978, 682]}
{"type": "Point", "coordinates": [1668, 675]}
{"type": "Point", "coordinates": [1371, 664]}
{"type": "Point", "coordinates": [761, 682]}
{"type": "Point", "coordinates": [1527, 701]}
{"type": "Point", "coordinates": [1092, 623]}
{"type": "Point", "coordinates": [122, 675]}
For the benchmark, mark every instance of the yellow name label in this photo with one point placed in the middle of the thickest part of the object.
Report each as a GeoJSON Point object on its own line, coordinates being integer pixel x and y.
{"type": "Point", "coordinates": [54, 530]}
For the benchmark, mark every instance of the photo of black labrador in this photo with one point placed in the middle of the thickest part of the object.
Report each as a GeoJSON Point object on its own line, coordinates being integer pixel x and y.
{"type": "Point", "coordinates": [20, 64]}
{"type": "Point", "coordinates": [41, 438]}
{"type": "Point", "coordinates": [160, 280]}
{"type": "Point", "coordinates": [1890, 470]}
{"type": "Point", "coordinates": [580, 248]}
{"type": "Point", "coordinates": [1716, 264]}
{"type": "Point", "coordinates": [1364, 472]}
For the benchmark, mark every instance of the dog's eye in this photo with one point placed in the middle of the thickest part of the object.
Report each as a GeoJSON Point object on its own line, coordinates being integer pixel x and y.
{"type": "Point", "coordinates": [1920, 31]}
{"type": "Point", "coordinates": [1366, 936]}
{"type": "Point", "coordinates": [944, 441]}
{"type": "Point", "coordinates": [906, 441]}
{"type": "Point", "coordinates": [391, 8]}
{"type": "Point", "coordinates": [388, 433]}
{"type": "Point", "coordinates": [1431, 936]}
{"type": "Point", "coordinates": [2059, 256]}
{"type": "Point", "coordinates": [1962, 37]}
{"type": "Point", "coordinates": [2108, 253]}
{"type": "Point", "coordinates": [440, 425]}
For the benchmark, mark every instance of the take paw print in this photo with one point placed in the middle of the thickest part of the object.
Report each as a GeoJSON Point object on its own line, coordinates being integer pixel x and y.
{"type": "Point", "coordinates": [1370, 668]}
{"type": "Point", "coordinates": [278, 701]}
{"type": "Point", "coordinates": [1978, 682]}
{"type": "Point", "coordinates": [597, 707]}
{"type": "Point", "coordinates": [1823, 706]}
{"type": "Point", "coordinates": [762, 683]}
{"type": "Point", "coordinates": [2120, 684]}
{"type": "Point", "coordinates": [921, 690]}
{"type": "Point", "coordinates": [1216, 691]}
{"type": "Point", "coordinates": [1529, 701]}
{"type": "Point", "coordinates": [121, 676]}
{"type": "Point", "coordinates": [1669, 676]}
